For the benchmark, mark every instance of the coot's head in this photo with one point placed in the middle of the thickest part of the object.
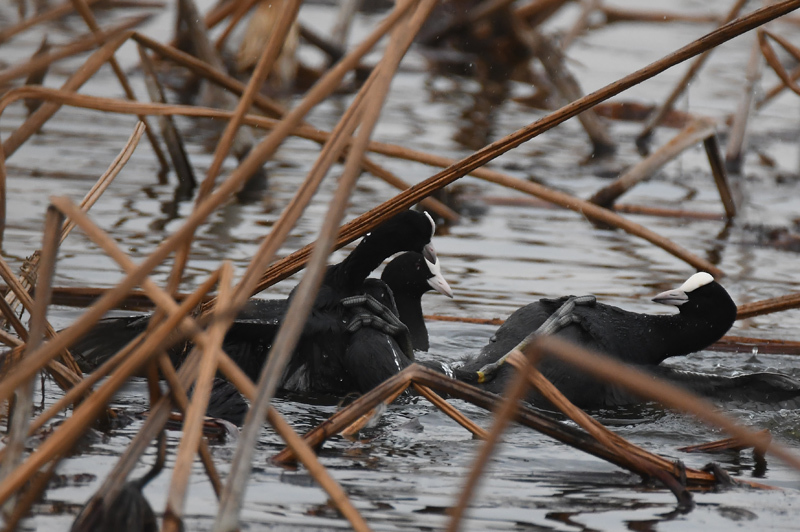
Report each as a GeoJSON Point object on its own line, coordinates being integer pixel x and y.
{"type": "Point", "coordinates": [412, 273]}
{"type": "Point", "coordinates": [407, 231]}
{"type": "Point", "coordinates": [700, 295]}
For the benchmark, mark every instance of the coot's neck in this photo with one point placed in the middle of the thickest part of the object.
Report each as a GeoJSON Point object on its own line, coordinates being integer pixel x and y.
{"type": "Point", "coordinates": [409, 310]}
{"type": "Point", "coordinates": [661, 337]}
{"type": "Point", "coordinates": [349, 274]}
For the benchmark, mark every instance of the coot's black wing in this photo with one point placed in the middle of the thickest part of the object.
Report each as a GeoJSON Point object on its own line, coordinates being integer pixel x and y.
{"type": "Point", "coordinates": [105, 339]}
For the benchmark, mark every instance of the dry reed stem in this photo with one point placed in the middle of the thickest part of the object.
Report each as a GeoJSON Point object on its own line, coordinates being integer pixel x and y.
{"type": "Point", "coordinates": [108, 176]}
{"type": "Point", "coordinates": [728, 444]}
{"type": "Point", "coordinates": [402, 201]}
{"type": "Point", "coordinates": [241, 9]}
{"type": "Point", "coordinates": [157, 339]}
{"type": "Point", "coordinates": [297, 313]}
{"type": "Point", "coordinates": [86, 13]}
{"type": "Point", "coordinates": [630, 456]}
{"type": "Point", "coordinates": [662, 212]}
{"type": "Point", "coordinates": [10, 317]}
{"type": "Point", "coordinates": [768, 306]}
{"type": "Point", "coordinates": [172, 137]}
{"type": "Point", "coordinates": [772, 58]}
{"type": "Point", "coordinates": [68, 433]}
{"type": "Point", "coordinates": [51, 14]}
{"type": "Point", "coordinates": [22, 295]}
{"type": "Point", "coordinates": [545, 193]}
{"type": "Point", "coordinates": [37, 119]}
{"type": "Point", "coordinates": [655, 118]}
{"type": "Point", "coordinates": [526, 416]}
{"type": "Point", "coordinates": [514, 393]}
{"type": "Point", "coordinates": [643, 385]}
{"type": "Point", "coordinates": [285, 18]}
{"type": "Point", "coordinates": [326, 85]}
{"type": "Point", "coordinates": [536, 12]}
{"type": "Point", "coordinates": [451, 411]}
{"type": "Point", "coordinates": [352, 430]}
{"type": "Point", "coordinates": [734, 151]}
{"type": "Point", "coordinates": [23, 405]}
{"type": "Point", "coordinates": [31, 495]}
{"type": "Point", "coordinates": [361, 407]}
{"type": "Point", "coordinates": [88, 201]}
{"type": "Point", "coordinates": [207, 72]}
{"type": "Point", "coordinates": [580, 24]}
{"type": "Point", "coordinates": [177, 392]}
{"type": "Point", "coordinates": [714, 154]}
{"type": "Point", "coordinates": [301, 449]}
{"type": "Point", "coordinates": [554, 62]}
{"type": "Point", "coordinates": [75, 393]}
{"type": "Point", "coordinates": [193, 418]}
{"type": "Point", "coordinates": [616, 14]}
{"type": "Point", "coordinates": [698, 130]}
{"type": "Point", "coordinates": [745, 344]}
{"type": "Point", "coordinates": [7, 339]}
{"type": "Point", "coordinates": [78, 46]}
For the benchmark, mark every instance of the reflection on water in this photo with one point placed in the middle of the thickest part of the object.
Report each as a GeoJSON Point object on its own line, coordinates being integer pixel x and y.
{"type": "Point", "coordinates": [407, 470]}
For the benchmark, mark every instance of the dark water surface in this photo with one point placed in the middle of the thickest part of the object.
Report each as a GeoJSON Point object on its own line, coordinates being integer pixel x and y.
{"type": "Point", "coordinates": [499, 258]}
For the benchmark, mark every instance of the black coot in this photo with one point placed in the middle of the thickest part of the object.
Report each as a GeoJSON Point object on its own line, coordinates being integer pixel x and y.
{"type": "Point", "coordinates": [392, 327]}
{"type": "Point", "coordinates": [317, 362]}
{"type": "Point", "coordinates": [705, 313]}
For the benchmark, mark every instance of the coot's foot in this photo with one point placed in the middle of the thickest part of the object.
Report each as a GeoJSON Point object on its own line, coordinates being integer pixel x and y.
{"type": "Point", "coordinates": [369, 312]}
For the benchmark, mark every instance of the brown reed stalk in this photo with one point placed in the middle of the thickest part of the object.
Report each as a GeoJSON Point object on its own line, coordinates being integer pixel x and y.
{"type": "Point", "coordinates": [768, 306]}
{"type": "Point", "coordinates": [156, 340]}
{"type": "Point", "coordinates": [617, 14]}
{"type": "Point", "coordinates": [285, 19]}
{"type": "Point", "coordinates": [581, 23]}
{"type": "Point", "coordinates": [554, 62]}
{"type": "Point", "coordinates": [46, 111]}
{"type": "Point", "coordinates": [655, 118]}
{"type": "Point", "coordinates": [85, 11]}
{"type": "Point", "coordinates": [301, 449]}
{"type": "Point", "coordinates": [352, 430]}
{"type": "Point", "coordinates": [22, 295]}
{"type": "Point", "coordinates": [698, 130]}
{"type": "Point", "coordinates": [241, 9]}
{"type": "Point", "coordinates": [515, 393]}
{"type": "Point", "coordinates": [78, 46]}
{"type": "Point", "coordinates": [643, 385]}
{"type": "Point", "coordinates": [772, 58]}
{"type": "Point", "coordinates": [297, 313]}
{"type": "Point", "coordinates": [46, 16]}
{"type": "Point", "coordinates": [727, 444]}
{"type": "Point", "coordinates": [718, 170]}
{"type": "Point", "coordinates": [734, 151]}
{"type": "Point", "coordinates": [23, 404]}
{"type": "Point", "coordinates": [405, 199]}
{"type": "Point", "coordinates": [172, 136]}
{"type": "Point", "coordinates": [526, 416]}
{"type": "Point", "coordinates": [451, 411]}
{"type": "Point", "coordinates": [161, 298]}
{"type": "Point", "coordinates": [193, 418]}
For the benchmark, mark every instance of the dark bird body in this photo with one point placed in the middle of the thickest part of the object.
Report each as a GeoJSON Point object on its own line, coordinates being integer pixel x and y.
{"type": "Point", "coordinates": [706, 312]}
{"type": "Point", "coordinates": [318, 364]}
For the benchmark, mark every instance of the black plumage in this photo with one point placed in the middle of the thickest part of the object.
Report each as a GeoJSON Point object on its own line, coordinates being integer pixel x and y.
{"type": "Point", "coordinates": [705, 313]}
{"type": "Point", "coordinates": [317, 363]}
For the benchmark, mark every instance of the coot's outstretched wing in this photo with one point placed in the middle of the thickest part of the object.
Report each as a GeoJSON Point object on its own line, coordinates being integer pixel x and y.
{"type": "Point", "coordinates": [105, 339]}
